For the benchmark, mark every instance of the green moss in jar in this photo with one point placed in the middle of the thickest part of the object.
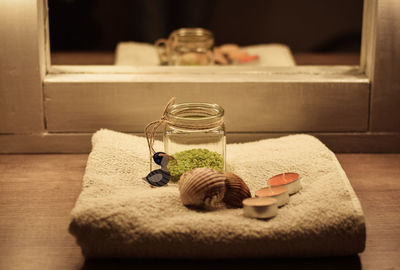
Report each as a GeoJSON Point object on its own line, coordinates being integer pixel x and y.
{"type": "Point", "coordinates": [194, 158]}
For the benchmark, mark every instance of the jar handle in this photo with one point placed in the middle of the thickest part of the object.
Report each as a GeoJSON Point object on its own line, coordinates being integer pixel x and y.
{"type": "Point", "coordinates": [162, 50]}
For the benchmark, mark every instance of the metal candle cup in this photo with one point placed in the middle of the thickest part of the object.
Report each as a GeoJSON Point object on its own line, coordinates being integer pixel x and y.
{"type": "Point", "coordinates": [279, 193]}
{"type": "Point", "coordinates": [260, 207]}
{"type": "Point", "coordinates": [289, 180]}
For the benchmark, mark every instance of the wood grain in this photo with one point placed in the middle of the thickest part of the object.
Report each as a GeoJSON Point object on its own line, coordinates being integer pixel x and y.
{"type": "Point", "coordinates": [336, 58]}
{"type": "Point", "coordinates": [37, 193]}
{"type": "Point", "coordinates": [375, 180]}
{"type": "Point", "coordinates": [82, 58]}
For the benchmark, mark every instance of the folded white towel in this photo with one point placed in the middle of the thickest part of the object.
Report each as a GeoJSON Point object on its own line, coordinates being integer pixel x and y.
{"type": "Point", "coordinates": [118, 215]}
{"type": "Point", "coordinates": [144, 54]}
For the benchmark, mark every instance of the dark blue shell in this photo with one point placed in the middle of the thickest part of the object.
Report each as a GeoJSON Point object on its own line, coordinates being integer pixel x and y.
{"type": "Point", "coordinates": [157, 158]}
{"type": "Point", "coordinates": [158, 177]}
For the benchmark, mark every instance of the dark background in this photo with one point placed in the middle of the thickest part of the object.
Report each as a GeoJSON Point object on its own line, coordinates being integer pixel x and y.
{"type": "Point", "coordinates": [304, 25]}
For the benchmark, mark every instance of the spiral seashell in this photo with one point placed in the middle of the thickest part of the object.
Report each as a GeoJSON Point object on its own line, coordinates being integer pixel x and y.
{"type": "Point", "coordinates": [236, 190]}
{"type": "Point", "coordinates": [202, 188]}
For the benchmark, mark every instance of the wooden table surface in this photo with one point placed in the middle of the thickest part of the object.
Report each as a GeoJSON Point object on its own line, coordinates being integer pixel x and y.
{"type": "Point", "coordinates": [37, 193]}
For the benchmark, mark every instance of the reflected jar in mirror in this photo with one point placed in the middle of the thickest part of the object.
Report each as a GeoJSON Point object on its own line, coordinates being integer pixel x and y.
{"type": "Point", "coordinates": [187, 46]}
{"type": "Point", "coordinates": [195, 135]}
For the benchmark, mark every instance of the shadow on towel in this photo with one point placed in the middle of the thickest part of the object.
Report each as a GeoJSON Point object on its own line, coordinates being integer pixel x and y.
{"type": "Point", "coordinates": [330, 263]}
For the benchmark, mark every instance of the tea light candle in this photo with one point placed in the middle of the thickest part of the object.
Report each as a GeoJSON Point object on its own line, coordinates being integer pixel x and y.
{"type": "Point", "coordinates": [264, 207]}
{"type": "Point", "coordinates": [280, 193]}
{"type": "Point", "coordinates": [289, 180]}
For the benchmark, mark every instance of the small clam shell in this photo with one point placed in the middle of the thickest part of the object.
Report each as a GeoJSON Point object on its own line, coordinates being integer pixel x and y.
{"type": "Point", "coordinates": [236, 190]}
{"type": "Point", "coordinates": [202, 188]}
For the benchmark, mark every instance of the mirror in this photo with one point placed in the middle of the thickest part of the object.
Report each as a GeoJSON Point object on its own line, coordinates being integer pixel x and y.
{"type": "Point", "coordinates": [278, 32]}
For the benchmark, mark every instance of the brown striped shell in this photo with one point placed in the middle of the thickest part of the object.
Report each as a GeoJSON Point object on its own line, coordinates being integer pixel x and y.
{"type": "Point", "coordinates": [202, 188]}
{"type": "Point", "coordinates": [236, 190]}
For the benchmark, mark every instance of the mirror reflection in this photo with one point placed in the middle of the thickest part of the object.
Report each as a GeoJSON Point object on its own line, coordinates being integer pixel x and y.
{"type": "Point", "coordinates": [179, 32]}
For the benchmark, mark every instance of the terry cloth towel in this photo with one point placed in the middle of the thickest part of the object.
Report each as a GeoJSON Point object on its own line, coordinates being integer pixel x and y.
{"type": "Point", "coordinates": [119, 215]}
{"type": "Point", "coordinates": [145, 54]}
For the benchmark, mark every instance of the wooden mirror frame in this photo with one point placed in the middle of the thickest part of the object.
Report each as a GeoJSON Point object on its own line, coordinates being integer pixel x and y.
{"type": "Point", "coordinates": [45, 108]}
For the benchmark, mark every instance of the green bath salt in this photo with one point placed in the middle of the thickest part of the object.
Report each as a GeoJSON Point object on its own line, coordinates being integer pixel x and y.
{"type": "Point", "coordinates": [194, 158]}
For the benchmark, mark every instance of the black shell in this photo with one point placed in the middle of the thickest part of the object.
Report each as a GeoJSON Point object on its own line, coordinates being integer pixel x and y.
{"type": "Point", "coordinates": [158, 177]}
{"type": "Point", "coordinates": [157, 158]}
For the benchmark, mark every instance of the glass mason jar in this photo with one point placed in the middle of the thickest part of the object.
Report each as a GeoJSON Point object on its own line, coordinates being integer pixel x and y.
{"type": "Point", "coordinates": [195, 135]}
{"type": "Point", "coordinates": [187, 46]}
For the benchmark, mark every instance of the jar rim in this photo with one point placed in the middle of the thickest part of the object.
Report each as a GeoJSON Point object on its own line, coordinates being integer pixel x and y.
{"type": "Point", "coordinates": [195, 113]}
{"type": "Point", "coordinates": [190, 35]}
{"type": "Point", "coordinates": [181, 32]}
